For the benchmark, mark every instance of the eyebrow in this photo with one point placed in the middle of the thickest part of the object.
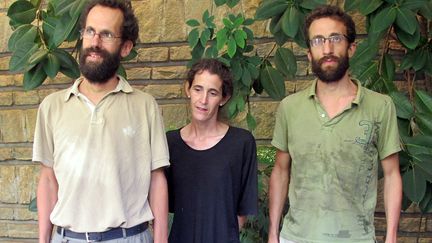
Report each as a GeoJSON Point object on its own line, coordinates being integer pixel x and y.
{"type": "Point", "coordinates": [331, 34]}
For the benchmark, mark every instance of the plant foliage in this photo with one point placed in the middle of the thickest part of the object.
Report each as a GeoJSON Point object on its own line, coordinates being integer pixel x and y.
{"type": "Point", "coordinates": [39, 30]}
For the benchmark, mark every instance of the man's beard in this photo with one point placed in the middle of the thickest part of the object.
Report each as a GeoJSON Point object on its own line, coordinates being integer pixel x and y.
{"type": "Point", "coordinates": [99, 72]}
{"type": "Point", "coordinates": [331, 74]}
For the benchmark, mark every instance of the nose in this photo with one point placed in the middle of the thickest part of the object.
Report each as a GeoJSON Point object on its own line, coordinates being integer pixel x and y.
{"type": "Point", "coordinates": [327, 47]}
{"type": "Point", "coordinates": [204, 98]}
{"type": "Point", "coordinates": [96, 40]}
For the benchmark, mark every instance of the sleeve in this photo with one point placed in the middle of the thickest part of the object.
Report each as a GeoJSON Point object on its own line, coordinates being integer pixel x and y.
{"type": "Point", "coordinates": [388, 137]}
{"type": "Point", "coordinates": [159, 147]}
{"type": "Point", "coordinates": [43, 142]}
{"type": "Point", "coordinates": [280, 132]}
{"type": "Point", "coordinates": [248, 203]}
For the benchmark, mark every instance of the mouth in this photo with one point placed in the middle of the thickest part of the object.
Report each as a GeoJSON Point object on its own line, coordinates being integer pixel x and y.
{"type": "Point", "coordinates": [202, 109]}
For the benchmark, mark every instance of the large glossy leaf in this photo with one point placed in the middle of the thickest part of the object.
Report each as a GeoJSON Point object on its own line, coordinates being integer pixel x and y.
{"type": "Point", "coordinates": [389, 67]}
{"type": "Point", "coordinates": [77, 7]}
{"type": "Point", "coordinates": [426, 10]}
{"type": "Point", "coordinates": [420, 60]}
{"type": "Point", "coordinates": [426, 203]}
{"type": "Point", "coordinates": [192, 23]}
{"type": "Point", "coordinates": [290, 21]}
{"type": "Point", "coordinates": [22, 12]}
{"type": "Point", "coordinates": [404, 108]}
{"type": "Point", "coordinates": [268, 9]}
{"type": "Point", "coordinates": [408, 60]}
{"type": "Point", "coordinates": [240, 36]}
{"type": "Point", "coordinates": [367, 7]}
{"type": "Point", "coordinates": [365, 52]}
{"type": "Point", "coordinates": [232, 47]}
{"type": "Point", "coordinates": [205, 36]}
{"type": "Point", "coordinates": [51, 65]}
{"type": "Point", "coordinates": [251, 122]}
{"type": "Point", "coordinates": [424, 122]}
{"type": "Point", "coordinates": [68, 65]}
{"type": "Point", "coordinates": [193, 37]}
{"type": "Point", "coordinates": [34, 77]}
{"type": "Point", "coordinates": [423, 162]}
{"type": "Point", "coordinates": [408, 40]}
{"type": "Point", "coordinates": [64, 28]}
{"type": "Point", "coordinates": [272, 82]}
{"type": "Point", "coordinates": [414, 4]}
{"type": "Point", "coordinates": [48, 27]}
{"type": "Point", "coordinates": [38, 56]}
{"type": "Point", "coordinates": [414, 185]}
{"type": "Point", "coordinates": [275, 24]}
{"type": "Point", "coordinates": [285, 62]}
{"type": "Point", "coordinates": [24, 34]}
{"type": "Point", "coordinates": [420, 144]}
{"type": "Point", "coordinates": [311, 4]}
{"type": "Point", "coordinates": [423, 102]}
{"type": "Point", "coordinates": [62, 7]}
{"type": "Point", "coordinates": [406, 20]}
{"type": "Point", "coordinates": [221, 38]}
{"type": "Point", "coordinates": [20, 57]}
{"type": "Point", "coordinates": [383, 19]}
{"type": "Point", "coordinates": [353, 4]}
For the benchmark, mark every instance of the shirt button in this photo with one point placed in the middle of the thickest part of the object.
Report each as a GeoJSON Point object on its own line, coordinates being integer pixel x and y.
{"type": "Point", "coordinates": [322, 115]}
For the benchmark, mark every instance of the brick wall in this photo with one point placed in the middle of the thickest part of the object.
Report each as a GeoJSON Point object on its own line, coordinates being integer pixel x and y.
{"type": "Point", "coordinates": [159, 69]}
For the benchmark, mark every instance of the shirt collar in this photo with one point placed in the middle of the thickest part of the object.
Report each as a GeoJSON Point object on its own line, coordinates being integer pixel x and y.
{"type": "Point", "coordinates": [122, 86]}
{"type": "Point", "coordinates": [357, 100]}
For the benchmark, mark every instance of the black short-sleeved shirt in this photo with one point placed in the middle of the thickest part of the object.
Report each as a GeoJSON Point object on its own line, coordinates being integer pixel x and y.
{"type": "Point", "coordinates": [209, 188]}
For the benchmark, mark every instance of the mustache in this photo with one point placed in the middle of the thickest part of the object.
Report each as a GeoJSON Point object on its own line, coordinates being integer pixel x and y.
{"type": "Point", "coordinates": [97, 50]}
{"type": "Point", "coordinates": [328, 57]}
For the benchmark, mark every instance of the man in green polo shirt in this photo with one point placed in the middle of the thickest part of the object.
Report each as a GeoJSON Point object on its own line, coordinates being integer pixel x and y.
{"type": "Point", "coordinates": [329, 139]}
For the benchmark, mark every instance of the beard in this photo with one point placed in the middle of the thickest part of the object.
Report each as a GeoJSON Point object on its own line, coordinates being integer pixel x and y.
{"type": "Point", "coordinates": [101, 72]}
{"type": "Point", "coordinates": [332, 74]}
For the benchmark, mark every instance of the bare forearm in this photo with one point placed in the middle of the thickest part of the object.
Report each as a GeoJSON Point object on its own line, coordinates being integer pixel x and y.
{"type": "Point", "coordinates": [159, 206]}
{"type": "Point", "coordinates": [46, 200]}
{"type": "Point", "coordinates": [392, 204]}
{"type": "Point", "coordinates": [278, 190]}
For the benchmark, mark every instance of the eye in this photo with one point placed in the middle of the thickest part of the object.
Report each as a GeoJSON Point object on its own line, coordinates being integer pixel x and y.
{"type": "Point", "coordinates": [214, 93]}
{"type": "Point", "coordinates": [106, 35]}
{"type": "Point", "coordinates": [317, 41]}
{"type": "Point", "coordinates": [335, 38]}
{"type": "Point", "coordinates": [89, 32]}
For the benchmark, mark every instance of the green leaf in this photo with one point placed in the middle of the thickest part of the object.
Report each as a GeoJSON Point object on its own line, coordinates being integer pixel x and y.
{"type": "Point", "coordinates": [312, 4]}
{"type": "Point", "coordinates": [77, 7]}
{"type": "Point", "coordinates": [367, 7]}
{"type": "Point", "coordinates": [48, 27]}
{"type": "Point", "coordinates": [33, 205]}
{"type": "Point", "coordinates": [423, 101]}
{"type": "Point", "coordinates": [221, 38]}
{"type": "Point", "coordinates": [246, 78]}
{"type": "Point", "coordinates": [353, 4]}
{"type": "Point", "coordinates": [389, 67]}
{"type": "Point", "coordinates": [238, 21]}
{"type": "Point", "coordinates": [64, 28]}
{"type": "Point", "coordinates": [20, 57]}
{"type": "Point", "coordinates": [407, 60]}
{"type": "Point", "coordinates": [236, 70]}
{"type": "Point", "coordinates": [290, 21]}
{"type": "Point", "coordinates": [383, 20]}
{"type": "Point", "coordinates": [275, 24]}
{"type": "Point", "coordinates": [193, 37]}
{"type": "Point", "coordinates": [251, 122]}
{"type": "Point", "coordinates": [192, 23]}
{"type": "Point", "coordinates": [249, 33]}
{"type": "Point", "coordinates": [424, 122]}
{"type": "Point", "coordinates": [62, 7]}
{"type": "Point", "coordinates": [232, 47]}
{"type": "Point", "coordinates": [232, 3]}
{"type": "Point", "coordinates": [68, 64]}
{"type": "Point", "coordinates": [406, 20]}
{"type": "Point", "coordinates": [248, 21]}
{"type": "Point", "coordinates": [408, 40]}
{"type": "Point", "coordinates": [285, 62]}
{"type": "Point", "coordinates": [22, 12]}
{"type": "Point", "coordinates": [414, 186]}
{"type": "Point", "coordinates": [253, 70]}
{"type": "Point", "coordinates": [205, 36]}
{"type": "Point", "coordinates": [404, 108]}
{"type": "Point", "coordinates": [38, 56]}
{"type": "Point", "coordinates": [219, 2]}
{"type": "Point", "coordinates": [240, 36]}
{"type": "Point", "coordinates": [423, 162]}
{"type": "Point", "coordinates": [197, 51]}
{"type": "Point", "coordinates": [426, 203]}
{"type": "Point", "coordinates": [414, 4]}
{"type": "Point", "coordinates": [300, 40]}
{"type": "Point", "coordinates": [211, 52]}
{"type": "Point", "coordinates": [426, 10]}
{"type": "Point", "coordinates": [269, 9]}
{"type": "Point", "coordinates": [51, 65]}
{"type": "Point", "coordinates": [228, 24]}
{"type": "Point", "coordinates": [24, 34]}
{"type": "Point", "coordinates": [364, 53]}
{"type": "Point", "coordinates": [122, 71]}
{"type": "Point", "coordinates": [420, 144]}
{"type": "Point", "coordinates": [205, 17]}
{"type": "Point", "coordinates": [272, 82]}
{"type": "Point", "coordinates": [420, 60]}
{"type": "Point", "coordinates": [34, 77]}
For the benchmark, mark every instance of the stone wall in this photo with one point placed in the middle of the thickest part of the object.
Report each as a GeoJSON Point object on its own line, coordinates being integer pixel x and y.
{"type": "Point", "coordinates": [159, 69]}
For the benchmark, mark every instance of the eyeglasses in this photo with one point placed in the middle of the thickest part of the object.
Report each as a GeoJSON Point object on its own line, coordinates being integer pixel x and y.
{"type": "Point", "coordinates": [105, 36]}
{"type": "Point", "coordinates": [333, 39]}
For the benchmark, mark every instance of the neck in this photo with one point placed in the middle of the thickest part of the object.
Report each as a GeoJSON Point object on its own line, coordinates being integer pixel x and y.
{"type": "Point", "coordinates": [203, 129]}
{"type": "Point", "coordinates": [96, 91]}
{"type": "Point", "coordinates": [342, 87]}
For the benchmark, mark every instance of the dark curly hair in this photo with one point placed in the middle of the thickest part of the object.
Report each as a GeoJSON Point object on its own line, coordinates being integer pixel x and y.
{"type": "Point", "coordinates": [335, 13]}
{"type": "Point", "coordinates": [213, 66]}
{"type": "Point", "coordinates": [129, 29]}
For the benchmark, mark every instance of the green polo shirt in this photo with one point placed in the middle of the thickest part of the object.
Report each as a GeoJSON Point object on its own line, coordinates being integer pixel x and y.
{"type": "Point", "coordinates": [334, 164]}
